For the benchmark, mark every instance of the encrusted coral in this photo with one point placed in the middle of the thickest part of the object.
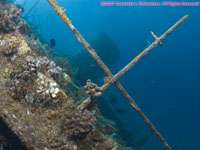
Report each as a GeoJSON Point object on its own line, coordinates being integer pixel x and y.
{"type": "Point", "coordinates": [92, 89]}
{"type": "Point", "coordinates": [33, 82]}
{"type": "Point", "coordinates": [78, 124]}
{"type": "Point", "coordinates": [8, 47]}
{"type": "Point", "coordinates": [29, 84]}
{"type": "Point", "coordinates": [20, 81]}
{"type": "Point", "coordinates": [23, 27]}
{"type": "Point", "coordinates": [63, 63]}
{"type": "Point", "coordinates": [44, 64]}
{"type": "Point", "coordinates": [13, 43]}
{"type": "Point", "coordinates": [47, 86]}
{"type": "Point", "coordinates": [23, 48]}
{"type": "Point", "coordinates": [94, 140]}
{"type": "Point", "coordinates": [61, 13]}
{"type": "Point", "coordinates": [30, 97]}
{"type": "Point", "coordinates": [3, 1]}
{"type": "Point", "coordinates": [8, 16]}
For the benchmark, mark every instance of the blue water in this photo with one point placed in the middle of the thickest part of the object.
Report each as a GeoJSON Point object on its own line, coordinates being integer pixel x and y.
{"type": "Point", "coordinates": [165, 83]}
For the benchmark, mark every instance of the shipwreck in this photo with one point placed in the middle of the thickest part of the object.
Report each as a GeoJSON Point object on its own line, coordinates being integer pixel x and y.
{"type": "Point", "coordinates": [43, 106]}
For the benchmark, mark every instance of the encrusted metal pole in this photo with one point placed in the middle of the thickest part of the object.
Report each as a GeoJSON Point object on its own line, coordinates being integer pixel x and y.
{"type": "Point", "coordinates": [143, 53]}
{"type": "Point", "coordinates": [64, 17]}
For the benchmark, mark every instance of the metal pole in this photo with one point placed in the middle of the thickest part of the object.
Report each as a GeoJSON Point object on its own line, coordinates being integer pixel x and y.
{"type": "Point", "coordinates": [143, 53]}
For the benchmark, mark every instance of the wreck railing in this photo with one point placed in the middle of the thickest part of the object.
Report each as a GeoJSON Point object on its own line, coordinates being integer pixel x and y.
{"type": "Point", "coordinates": [114, 79]}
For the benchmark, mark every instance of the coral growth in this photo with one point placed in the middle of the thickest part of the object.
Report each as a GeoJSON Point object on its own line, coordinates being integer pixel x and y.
{"type": "Point", "coordinates": [92, 89]}
{"type": "Point", "coordinates": [9, 47]}
{"type": "Point", "coordinates": [27, 82]}
{"type": "Point", "coordinates": [94, 140]}
{"type": "Point", "coordinates": [63, 63]}
{"type": "Point", "coordinates": [47, 87]}
{"type": "Point", "coordinates": [33, 102]}
{"type": "Point", "coordinates": [8, 16]}
{"type": "Point", "coordinates": [21, 78]}
{"type": "Point", "coordinates": [3, 2]}
{"type": "Point", "coordinates": [13, 43]}
{"type": "Point", "coordinates": [43, 64]}
{"type": "Point", "coordinates": [23, 27]}
{"type": "Point", "coordinates": [78, 124]}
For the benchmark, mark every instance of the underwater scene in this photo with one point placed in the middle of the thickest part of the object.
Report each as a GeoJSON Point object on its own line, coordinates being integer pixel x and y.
{"type": "Point", "coordinates": [99, 75]}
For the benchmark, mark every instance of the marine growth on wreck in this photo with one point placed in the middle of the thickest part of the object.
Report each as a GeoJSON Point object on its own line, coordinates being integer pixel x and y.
{"type": "Point", "coordinates": [45, 104]}
{"type": "Point", "coordinates": [38, 96]}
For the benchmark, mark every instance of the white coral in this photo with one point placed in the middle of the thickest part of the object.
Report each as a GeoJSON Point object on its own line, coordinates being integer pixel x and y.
{"type": "Point", "coordinates": [47, 86]}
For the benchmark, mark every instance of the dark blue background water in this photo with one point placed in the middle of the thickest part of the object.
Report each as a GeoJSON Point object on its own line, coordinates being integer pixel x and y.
{"type": "Point", "coordinates": [165, 84]}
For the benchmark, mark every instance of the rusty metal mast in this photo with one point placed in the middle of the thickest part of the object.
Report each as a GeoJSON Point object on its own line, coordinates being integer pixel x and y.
{"type": "Point", "coordinates": [114, 79]}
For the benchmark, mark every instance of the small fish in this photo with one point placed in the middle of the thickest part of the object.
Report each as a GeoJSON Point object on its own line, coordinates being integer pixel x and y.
{"type": "Point", "coordinates": [52, 42]}
{"type": "Point", "coordinates": [37, 39]}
